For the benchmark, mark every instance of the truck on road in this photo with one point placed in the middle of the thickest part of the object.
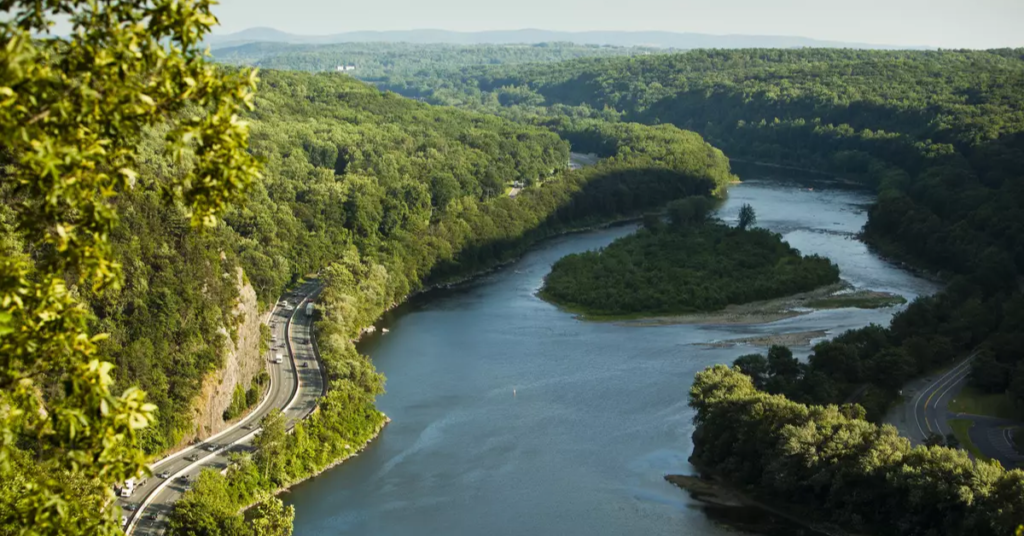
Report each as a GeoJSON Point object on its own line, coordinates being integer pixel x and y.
{"type": "Point", "coordinates": [128, 488]}
{"type": "Point", "coordinates": [309, 309]}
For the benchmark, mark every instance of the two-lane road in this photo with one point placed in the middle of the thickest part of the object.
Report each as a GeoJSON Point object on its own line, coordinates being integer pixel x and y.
{"type": "Point", "coordinates": [295, 386]}
{"type": "Point", "coordinates": [930, 405]}
{"type": "Point", "coordinates": [927, 412]}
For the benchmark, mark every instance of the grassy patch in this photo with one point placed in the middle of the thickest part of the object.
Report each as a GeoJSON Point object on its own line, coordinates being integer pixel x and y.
{"type": "Point", "coordinates": [861, 300]}
{"type": "Point", "coordinates": [975, 402]}
{"type": "Point", "coordinates": [961, 429]}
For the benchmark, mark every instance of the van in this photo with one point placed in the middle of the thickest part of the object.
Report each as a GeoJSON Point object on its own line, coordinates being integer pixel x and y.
{"type": "Point", "coordinates": [279, 358]}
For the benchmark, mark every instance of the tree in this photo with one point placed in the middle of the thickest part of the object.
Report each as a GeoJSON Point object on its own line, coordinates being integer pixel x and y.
{"type": "Point", "coordinates": [755, 366]}
{"type": "Point", "coordinates": [782, 363]}
{"type": "Point", "coordinates": [270, 517]}
{"type": "Point", "coordinates": [693, 210]}
{"type": "Point", "coordinates": [71, 113]}
{"type": "Point", "coordinates": [653, 222]}
{"type": "Point", "coordinates": [747, 216]}
{"type": "Point", "coordinates": [270, 443]}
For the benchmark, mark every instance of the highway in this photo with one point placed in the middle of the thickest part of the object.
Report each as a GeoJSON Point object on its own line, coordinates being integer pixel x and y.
{"type": "Point", "coordinates": [927, 412]}
{"type": "Point", "coordinates": [930, 403]}
{"type": "Point", "coordinates": [295, 386]}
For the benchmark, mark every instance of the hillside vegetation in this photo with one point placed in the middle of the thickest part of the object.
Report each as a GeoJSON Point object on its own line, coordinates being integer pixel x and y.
{"type": "Point", "coordinates": [938, 134]}
{"type": "Point", "coordinates": [374, 62]}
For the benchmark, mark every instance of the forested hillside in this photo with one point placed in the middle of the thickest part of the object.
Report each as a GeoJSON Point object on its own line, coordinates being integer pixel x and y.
{"type": "Point", "coordinates": [349, 171]}
{"type": "Point", "coordinates": [387, 195]}
{"type": "Point", "coordinates": [396, 61]}
{"type": "Point", "coordinates": [383, 195]}
{"type": "Point", "coordinates": [938, 134]}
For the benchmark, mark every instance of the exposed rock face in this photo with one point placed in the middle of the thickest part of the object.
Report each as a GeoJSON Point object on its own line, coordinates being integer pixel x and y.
{"type": "Point", "coordinates": [242, 362]}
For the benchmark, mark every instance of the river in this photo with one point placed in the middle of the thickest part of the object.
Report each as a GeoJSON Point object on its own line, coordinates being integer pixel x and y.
{"type": "Point", "coordinates": [512, 417]}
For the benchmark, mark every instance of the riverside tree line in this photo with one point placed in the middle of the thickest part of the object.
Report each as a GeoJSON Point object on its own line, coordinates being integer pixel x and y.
{"type": "Point", "coordinates": [201, 177]}
{"type": "Point", "coordinates": [939, 134]}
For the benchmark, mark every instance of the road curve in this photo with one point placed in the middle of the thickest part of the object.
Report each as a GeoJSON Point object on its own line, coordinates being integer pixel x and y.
{"type": "Point", "coordinates": [295, 386]}
{"type": "Point", "coordinates": [930, 404]}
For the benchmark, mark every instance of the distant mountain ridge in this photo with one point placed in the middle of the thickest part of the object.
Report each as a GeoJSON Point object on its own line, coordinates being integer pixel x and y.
{"type": "Point", "coordinates": [531, 36]}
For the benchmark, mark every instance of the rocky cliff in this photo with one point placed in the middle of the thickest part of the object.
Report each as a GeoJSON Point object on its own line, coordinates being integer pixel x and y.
{"type": "Point", "coordinates": [242, 362]}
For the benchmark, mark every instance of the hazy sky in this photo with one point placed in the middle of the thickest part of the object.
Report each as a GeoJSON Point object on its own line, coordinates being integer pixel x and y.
{"type": "Point", "coordinates": [942, 23]}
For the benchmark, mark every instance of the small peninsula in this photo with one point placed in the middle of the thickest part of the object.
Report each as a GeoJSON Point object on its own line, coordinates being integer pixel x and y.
{"type": "Point", "coordinates": [692, 264]}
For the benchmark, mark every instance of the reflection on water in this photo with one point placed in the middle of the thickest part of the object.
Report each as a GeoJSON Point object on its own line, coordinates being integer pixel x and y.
{"type": "Point", "coordinates": [512, 417]}
{"type": "Point", "coordinates": [756, 521]}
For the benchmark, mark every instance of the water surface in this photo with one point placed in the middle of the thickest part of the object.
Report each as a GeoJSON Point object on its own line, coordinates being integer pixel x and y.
{"type": "Point", "coordinates": [512, 417]}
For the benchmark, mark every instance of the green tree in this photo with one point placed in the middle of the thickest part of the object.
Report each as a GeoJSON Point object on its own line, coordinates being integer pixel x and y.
{"type": "Point", "coordinates": [755, 366]}
{"type": "Point", "coordinates": [270, 444]}
{"type": "Point", "coordinates": [747, 216]}
{"type": "Point", "coordinates": [690, 211]}
{"type": "Point", "coordinates": [270, 517]}
{"type": "Point", "coordinates": [71, 113]}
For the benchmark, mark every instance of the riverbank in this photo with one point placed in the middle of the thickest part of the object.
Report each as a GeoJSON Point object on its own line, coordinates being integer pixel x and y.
{"type": "Point", "coordinates": [834, 296]}
{"type": "Point", "coordinates": [718, 492]}
{"type": "Point", "coordinates": [799, 338]}
{"type": "Point", "coordinates": [453, 357]}
{"type": "Point", "coordinates": [352, 454]}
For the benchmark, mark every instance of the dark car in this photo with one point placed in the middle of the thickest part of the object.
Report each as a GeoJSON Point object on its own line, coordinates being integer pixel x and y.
{"type": "Point", "coordinates": [130, 507]}
{"type": "Point", "coordinates": [192, 457]}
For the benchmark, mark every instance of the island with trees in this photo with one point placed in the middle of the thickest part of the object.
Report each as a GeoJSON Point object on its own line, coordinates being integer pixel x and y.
{"type": "Point", "coordinates": [692, 264]}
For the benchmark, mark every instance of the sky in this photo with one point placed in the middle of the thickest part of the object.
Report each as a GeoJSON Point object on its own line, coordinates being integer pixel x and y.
{"type": "Point", "coordinates": [937, 23]}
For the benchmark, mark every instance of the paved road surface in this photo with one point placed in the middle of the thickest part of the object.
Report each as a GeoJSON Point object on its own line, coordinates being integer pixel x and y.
{"type": "Point", "coordinates": [295, 393]}
{"type": "Point", "coordinates": [926, 410]}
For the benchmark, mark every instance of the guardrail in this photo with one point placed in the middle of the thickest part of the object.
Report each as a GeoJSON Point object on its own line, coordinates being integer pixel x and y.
{"type": "Point", "coordinates": [296, 387]}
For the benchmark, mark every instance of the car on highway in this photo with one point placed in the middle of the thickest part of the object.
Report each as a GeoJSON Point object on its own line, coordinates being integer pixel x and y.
{"type": "Point", "coordinates": [211, 447]}
{"type": "Point", "coordinates": [304, 364]}
{"type": "Point", "coordinates": [248, 426]}
{"type": "Point", "coordinates": [164, 475]}
{"type": "Point", "coordinates": [130, 507]}
{"type": "Point", "coordinates": [183, 478]}
{"type": "Point", "coordinates": [151, 517]}
{"type": "Point", "coordinates": [192, 457]}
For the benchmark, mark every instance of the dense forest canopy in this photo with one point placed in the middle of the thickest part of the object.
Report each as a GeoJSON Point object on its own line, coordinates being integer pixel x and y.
{"type": "Point", "coordinates": [383, 195]}
{"type": "Point", "coordinates": [937, 133]}
{"type": "Point", "coordinates": [389, 195]}
{"type": "Point", "coordinates": [686, 267]}
{"type": "Point", "coordinates": [393, 61]}
{"type": "Point", "coordinates": [70, 118]}
{"type": "Point", "coordinates": [831, 465]}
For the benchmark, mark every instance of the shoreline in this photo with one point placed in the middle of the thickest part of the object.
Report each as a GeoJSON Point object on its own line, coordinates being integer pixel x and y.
{"type": "Point", "coordinates": [834, 296]}
{"type": "Point", "coordinates": [287, 488]}
{"type": "Point", "coordinates": [798, 338]}
{"type": "Point", "coordinates": [712, 489]}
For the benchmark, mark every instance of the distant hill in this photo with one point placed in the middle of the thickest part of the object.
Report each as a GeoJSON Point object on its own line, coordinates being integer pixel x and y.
{"type": "Point", "coordinates": [530, 36]}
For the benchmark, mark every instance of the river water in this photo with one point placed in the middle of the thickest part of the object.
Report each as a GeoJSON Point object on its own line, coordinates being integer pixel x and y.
{"type": "Point", "coordinates": [512, 417]}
